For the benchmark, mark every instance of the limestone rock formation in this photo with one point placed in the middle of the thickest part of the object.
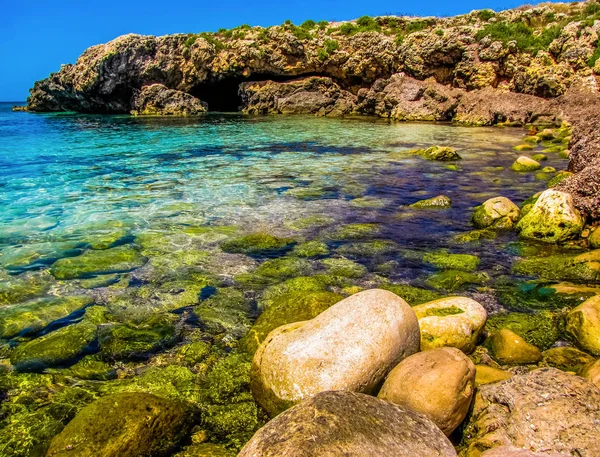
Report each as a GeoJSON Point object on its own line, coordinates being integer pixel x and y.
{"type": "Point", "coordinates": [348, 424]}
{"type": "Point", "coordinates": [350, 346]}
{"type": "Point", "coordinates": [157, 99]}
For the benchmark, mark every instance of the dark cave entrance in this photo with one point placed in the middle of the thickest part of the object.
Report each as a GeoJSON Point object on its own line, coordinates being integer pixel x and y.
{"type": "Point", "coordinates": [222, 95]}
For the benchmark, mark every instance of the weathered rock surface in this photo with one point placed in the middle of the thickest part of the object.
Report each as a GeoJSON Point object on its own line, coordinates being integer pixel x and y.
{"type": "Point", "coordinates": [524, 163]}
{"type": "Point", "coordinates": [512, 451]}
{"type": "Point", "coordinates": [591, 372]}
{"type": "Point", "coordinates": [546, 411]}
{"type": "Point", "coordinates": [439, 384]}
{"type": "Point", "coordinates": [583, 323]}
{"type": "Point", "coordinates": [510, 348]}
{"type": "Point", "coordinates": [450, 322]}
{"type": "Point", "coordinates": [311, 95]}
{"type": "Point", "coordinates": [350, 346]}
{"type": "Point", "coordinates": [552, 219]}
{"type": "Point", "coordinates": [497, 212]}
{"type": "Point", "coordinates": [157, 99]}
{"type": "Point", "coordinates": [348, 424]}
{"type": "Point", "coordinates": [123, 425]}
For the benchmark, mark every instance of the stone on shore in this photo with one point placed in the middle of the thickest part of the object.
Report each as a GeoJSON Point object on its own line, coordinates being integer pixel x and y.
{"type": "Point", "coordinates": [510, 349]}
{"type": "Point", "coordinates": [348, 424]}
{"type": "Point", "coordinates": [450, 322]}
{"type": "Point", "coordinates": [583, 323]}
{"type": "Point", "coordinates": [546, 410]}
{"type": "Point", "coordinates": [123, 425]}
{"type": "Point", "coordinates": [553, 219]}
{"type": "Point", "coordinates": [350, 346]}
{"type": "Point", "coordinates": [438, 384]}
{"type": "Point", "coordinates": [523, 163]}
{"type": "Point", "coordinates": [497, 213]}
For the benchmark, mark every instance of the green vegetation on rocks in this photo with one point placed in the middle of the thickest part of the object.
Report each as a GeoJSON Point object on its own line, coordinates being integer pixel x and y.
{"type": "Point", "coordinates": [451, 280]}
{"type": "Point", "coordinates": [447, 261]}
{"type": "Point", "coordinates": [344, 267]}
{"type": "Point", "coordinates": [21, 288]}
{"type": "Point", "coordinates": [91, 263]}
{"type": "Point", "coordinates": [566, 358]}
{"type": "Point", "coordinates": [310, 249]}
{"type": "Point", "coordinates": [411, 294]}
{"type": "Point", "coordinates": [355, 231]}
{"type": "Point", "coordinates": [439, 153]}
{"type": "Point", "coordinates": [540, 329]}
{"type": "Point", "coordinates": [524, 164]}
{"type": "Point", "coordinates": [367, 248]}
{"type": "Point", "coordinates": [497, 213]}
{"type": "Point", "coordinates": [227, 311]}
{"type": "Point", "coordinates": [256, 244]}
{"type": "Point", "coordinates": [439, 202]}
{"type": "Point", "coordinates": [581, 267]}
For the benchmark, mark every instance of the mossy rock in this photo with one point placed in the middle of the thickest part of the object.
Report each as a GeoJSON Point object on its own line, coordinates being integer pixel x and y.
{"type": "Point", "coordinates": [525, 164]}
{"type": "Point", "coordinates": [286, 309]}
{"type": "Point", "coordinates": [344, 267]}
{"type": "Point", "coordinates": [566, 359]}
{"type": "Point", "coordinates": [91, 367]}
{"type": "Point", "coordinates": [371, 248]}
{"type": "Point", "coordinates": [123, 425]}
{"type": "Point", "coordinates": [532, 295]}
{"type": "Point", "coordinates": [58, 347]}
{"type": "Point", "coordinates": [191, 354]}
{"type": "Point", "coordinates": [100, 281]}
{"type": "Point", "coordinates": [21, 288]}
{"type": "Point", "coordinates": [451, 280]}
{"type": "Point", "coordinates": [439, 202]}
{"type": "Point", "coordinates": [226, 312]}
{"type": "Point", "coordinates": [307, 193]}
{"type": "Point", "coordinates": [438, 153]}
{"type": "Point", "coordinates": [34, 315]}
{"type": "Point", "coordinates": [283, 268]}
{"type": "Point", "coordinates": [130, 340]}
{"type": "Point", "coordinates": [310, 249]}
{"type": "Point", "coordinates": [91, 263]}
{"type": "Point", "coordinates": [446, 261]}
{"type": "Point", "coordinates": [558, 178]}
{"type": "Point", "coordinates": [594, 239]}
{"type": "Point", "coordinates": [412, 295]}
{"type": "Point", "coordinates": [257, 244]}
{"type": "Point", "coordinates": [475, 236]}
{"type": "Point", "coordinates": [20, 257]}
{"type": "Point", "coordinates": [539, 157]}
{"type": "Point", "coordinates": [540, 329]}
{"type": "Point", "coordinates": [582, 267]}
{"type": "Point", "coordinates": [355, 231]}
{"type": "Point", "coordinates": [496, 213]}
{"type": "Point", "coordinates": [524, 147]}
{"type": "Point", "coordinates": [310, 222]}
{"type": "Point", "coordinates": [301, 284]}
{"type": "Point", "coordinates": [368, 202]}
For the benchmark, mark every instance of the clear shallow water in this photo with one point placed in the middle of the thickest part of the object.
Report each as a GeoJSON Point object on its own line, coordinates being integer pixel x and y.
{"type": "Point", "coordinates": [174, 190]}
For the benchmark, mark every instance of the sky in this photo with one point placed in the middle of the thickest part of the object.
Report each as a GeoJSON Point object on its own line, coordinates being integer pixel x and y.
{"type": "Point", "coordinates": [36, 37]}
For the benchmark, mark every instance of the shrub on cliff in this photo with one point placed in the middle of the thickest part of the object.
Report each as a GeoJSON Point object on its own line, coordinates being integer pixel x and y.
{"type": "Point", "coordinates": [526, 39]}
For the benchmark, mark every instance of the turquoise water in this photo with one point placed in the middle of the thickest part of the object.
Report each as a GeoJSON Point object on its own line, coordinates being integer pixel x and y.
{"type": "Point", "coordinates": [132, 215]}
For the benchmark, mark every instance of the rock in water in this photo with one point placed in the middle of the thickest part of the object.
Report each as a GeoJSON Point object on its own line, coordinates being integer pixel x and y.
{"type": "Point", "coordinates": [546, 410]}
{"type": "Point", "coordinates": [591, 372]}
{"type": "Point", "coordinates": [441, 201]}
{"type": "Point", "coordinates": [350, 346]}
{"type": "Point", "coordinates": [552, 219]}
{"type": "Point", "coordinates": [524, 163]}
{"type": "Point", "coordinates": [348, 424]}
{"type": "Point", "coordinates": [497, 212]}
{"type": "Point", "coordinates": [439, 384]}
{"type": "Point", "coordinates": [451, 322]}
{"type": "Point", "coordinates": [439, 153]}
{"type": "Point", "coordinates": [159, 100]}
{"type": "Point", "coordinates": [123, 425]}
{"type": "Point", "coordinates": [583, 322]}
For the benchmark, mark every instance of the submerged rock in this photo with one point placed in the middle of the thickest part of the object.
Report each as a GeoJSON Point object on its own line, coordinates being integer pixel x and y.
{"type": "Point", "coordinates": [583, 323]}
{"type": "Point", "coordinates": [451, 280]}
{"type": "Point", "coordinates": [538, 329]}
{"type": "Point", "coordinates": [257, 244]}
{"type": "Point", "coordinates": [582, 267]}
{"type": "Point", "coordinates": [552, 219]}
{"type": "Point", "coordinates": [159, 100]}
{"type": "Point", "coordinates": [549, 411]}
{"type": "Point", "coordinates": [439, 153]}
{"type": "Point", "coordinates": [450, 322]}
{"type": "Point", "coordinates": [348, 424]}
{"type": "Point", "coordinates": [594, 239]}
{"type": "Point", "coordinates": [497, 213]}
{"type": "Point", "coordinates": [302, 359]}
{"type": "Point", "coordinates": [441, 201]}
{"type": "Point", "coordinates": [91, 263]}
{"type": "Point", "coordinates": [226, 312]}
{"type": "Point", "coordinates": [447, 261]}
{"type": "Point", "coordinates": [123, 425]}
{"type": "Point", "coordinates": [438, 384]}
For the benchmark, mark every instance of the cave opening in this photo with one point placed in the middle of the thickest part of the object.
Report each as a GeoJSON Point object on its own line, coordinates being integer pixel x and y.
{"type": "Point", "coordinates": [223, 94]}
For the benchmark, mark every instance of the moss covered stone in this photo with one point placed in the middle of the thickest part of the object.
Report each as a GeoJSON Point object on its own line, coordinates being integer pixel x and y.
{"type": "Point", "coordinates": [310, 249]}
{"type": "Point", "coordinates": [539, 157]}
{"type": "Point", "coordinates": [225, 312]}
{"type": "Point", "coordinates": [497, 213]}
{"type": "Point", "coordinates": [257, 244]}
{"type": "Point", "coordinates": [451, 280]}
{"type": "Point", "coordinates": [582, 267]}
{"type": "Point", "coordinates": [532, 295]}
{"type": "Point", "coordinates": [91, 263]}
{"type": "Point", "coordinates": [130, 340]}
{"type": "Point", "coordinates": [524, 147]}
{"type": "Point", "coordinates": [91, 367]}
{"type": "Point", "coordinates": [447, 261]}
{"type": "Point", "coordinates": [525, 164]}
{"type": "Point", "coordinates": [439, 153]}
{"type": "Point", "coordinates": [511, 349]}
{"type": "Point", "coordinates": [558, 178]}
{"type": "Point", "coordinates": [284, 267]}
{"type": "Point", "coordinates": [412, 295]}
{"type": "Point", "coordinates": [371, 248]}
{"type": "Point", "coordinates": [123, 425]}
{"type": "Point", "coordinates": [474, 236]}
{"type": "Point", "coordinates": [594, 239]}
{"type": "Point", "coordinates": [540, 329]}
{"type": "Point", "coordinates": [583, 324]}
{"type": "Point", "coordinates": [355, 231]}
{"type": "Point", "coordinates": [344, 267]}
{"type": "Point", "coordinates": [439, 202]}
{"type": "Point", "coordinates": [34, 315]}
{"type": "Point", "coordinates": [566, 358]}
{"type": "Point", "coordinates": [307, 193]}
{"type": "Point", "coordinates": [368, 202]}
{"type": "Point", "coordinates": [21, 288]}
{"type": "Point", "coordinates": [301, 284]}
{"type": "Point", "coordinates": [310, 222]}
{"type": "Point", "coordinates": [286, 309]}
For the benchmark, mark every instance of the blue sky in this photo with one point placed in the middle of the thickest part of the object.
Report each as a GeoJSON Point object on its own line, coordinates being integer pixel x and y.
{"type": "Point", "coordinates": [36, 37]}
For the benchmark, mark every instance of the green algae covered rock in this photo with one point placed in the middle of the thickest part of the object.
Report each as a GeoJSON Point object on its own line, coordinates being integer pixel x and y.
{"type": "Point", "coordinates": [510, 349]}
{"type": "Point", "coordinates": [91, 367]}
{"type": "Point", "coordinates": [34, 315]}
{"type": "Point", "coordinates": [566, 358]}
{"type": "Point", "coordinates": [131, 340]}
{"type": "Point", "coordinates": [447, 261]}
{"type": "Point", "coordinates": [286, 309]}
{"type": "Point", "coordinates": [497, 213]}
{"type": "Point", "coordinates": [355, 231]}
{"type": "Point", "coordinates": [553, 219]}
{"type": "Point", "coordinates": [540, 329]}
{"type": "Point", "coordinates": [21, 288]}
{"type": "Point", "coordinates": [344, 267]}
{"type": "Point", "coordinates": [310, 249]}
{"type": "Point", "coordinates": [283, 268]}
{"type": "Point", "coordinates": [257, 244]}
{"type": "Point", "coordinates": [368, 202]}
{"type": "Point", "coordinates": [451, 280]}
{"type": "Point", "coordinates": [91, 263]}
{"type": "Point", "coordinates": [439, 202]}
{"type": "Point", "coordinates": [475, 236]}
{"type": "Point", "coordinates": [594, 239]}
{"type": "Point", "coordinates": [583, 324]}
{"type": "Point", "coordinates": [123, 425]}
{"type": "Point", "coordinates": [439, 153]}
{"type": "Point", "coordinates": [301, 284]}
{"type": "Point", "coordinates": [532, 295]}
{"type": "Point", "coordinates": [582, 267]}
{"type": "Point", "coordinates": [558, 178]}
{"type": "Point", "coordinates": [524, 147]}
{"type": "Point", "coordinates": [524, 164]}
{"type": "Point", "coordinates": [60, 346]}
{"type": "Point", "coordinates": [412, 295]}
{"type": "Point", "coordinates": [310, 222]}
{"type": "Point", "coordinates": [225, 312]}
{"type": "Point", "coordinates": [370, 248]}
